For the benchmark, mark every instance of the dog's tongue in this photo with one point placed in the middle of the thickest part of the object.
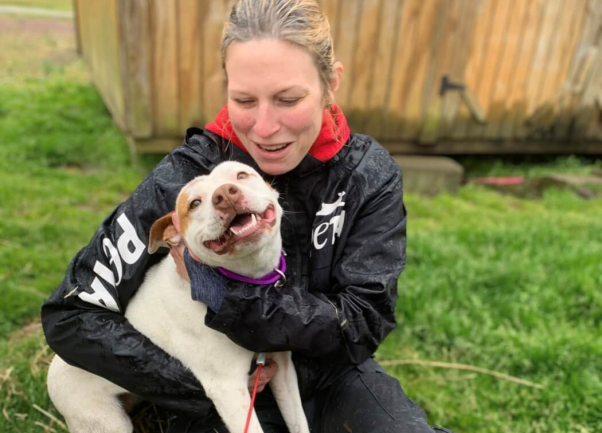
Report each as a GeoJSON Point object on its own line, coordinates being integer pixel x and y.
{"type": "Point", "coordinates": [240, 221]}
{"type": "Point", "coordinates": [217, 245]}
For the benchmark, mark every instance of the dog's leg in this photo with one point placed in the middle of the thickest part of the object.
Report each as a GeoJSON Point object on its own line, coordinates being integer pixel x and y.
{"type": "Point", "coordinates": [231, 398]}
{"type": "Point", "coordinates": [223, 370]}
{"type": "Point", "coordinates": [89, 403]}
{"type": "Point", "coordinates": [285, 388]}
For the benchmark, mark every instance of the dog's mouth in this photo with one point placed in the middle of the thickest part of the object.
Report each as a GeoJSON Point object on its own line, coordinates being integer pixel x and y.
{"type": "Point", "coordinates": [243, 226]}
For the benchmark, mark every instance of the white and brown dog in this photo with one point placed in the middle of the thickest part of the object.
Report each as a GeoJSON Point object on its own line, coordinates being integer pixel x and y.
{"type": "Point", "coordinates": [230, 219]}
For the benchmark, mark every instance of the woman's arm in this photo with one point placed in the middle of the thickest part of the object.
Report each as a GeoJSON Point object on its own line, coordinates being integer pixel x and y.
{"type": "Point", "coordinates": [348, 325]}
{"type": "Point", "coordinates": [83, 319]}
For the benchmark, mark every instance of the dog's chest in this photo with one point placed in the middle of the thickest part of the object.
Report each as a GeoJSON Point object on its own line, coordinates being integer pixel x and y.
{"type": "Point", "coordinates": [163, 310]}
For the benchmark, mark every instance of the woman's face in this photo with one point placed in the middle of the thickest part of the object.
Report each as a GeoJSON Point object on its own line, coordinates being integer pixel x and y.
{"type": "Point", "coordinates": [275, 101]}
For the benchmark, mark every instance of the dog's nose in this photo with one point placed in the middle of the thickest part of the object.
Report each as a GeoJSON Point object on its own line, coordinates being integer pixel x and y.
{"type": "Point", "coordinates": [225, 196]}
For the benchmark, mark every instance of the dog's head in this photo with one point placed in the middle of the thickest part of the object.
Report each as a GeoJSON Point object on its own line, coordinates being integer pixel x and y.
{"type": "Point", "coordinates": [228, 218]}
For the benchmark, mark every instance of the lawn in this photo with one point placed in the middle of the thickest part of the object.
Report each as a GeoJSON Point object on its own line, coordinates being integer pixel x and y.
{"type": "Point", "coordinates": [497, 282]}
{"type": "Point", "coordinates": [60, 5]}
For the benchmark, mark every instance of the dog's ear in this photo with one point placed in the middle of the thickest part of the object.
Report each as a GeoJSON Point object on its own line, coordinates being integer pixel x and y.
{"type": "Point", "coordinates": [163, 233]}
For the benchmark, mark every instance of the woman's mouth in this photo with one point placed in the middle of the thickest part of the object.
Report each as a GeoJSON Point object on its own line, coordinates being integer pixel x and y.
{"type": "Point", "coordinates": [273, 148]}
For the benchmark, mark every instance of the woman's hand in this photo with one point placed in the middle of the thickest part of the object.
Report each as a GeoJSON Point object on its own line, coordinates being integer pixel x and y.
{"type": "Point", "coordinates": [177, 253]}
{"type": "Point", "coordinates": [267, 372]}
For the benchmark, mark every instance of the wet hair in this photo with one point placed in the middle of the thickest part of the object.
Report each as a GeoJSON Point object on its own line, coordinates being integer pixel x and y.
{"type": "Point", "coordinates": [297, 21]}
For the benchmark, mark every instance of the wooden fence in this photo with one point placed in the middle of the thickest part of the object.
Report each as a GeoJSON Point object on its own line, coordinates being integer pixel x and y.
{"type": "Point", "coordinates": [423, 76]}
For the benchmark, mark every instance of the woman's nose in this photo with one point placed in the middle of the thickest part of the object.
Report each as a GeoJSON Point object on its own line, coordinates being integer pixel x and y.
{"type": "Point", "coordinates": [266, 123]}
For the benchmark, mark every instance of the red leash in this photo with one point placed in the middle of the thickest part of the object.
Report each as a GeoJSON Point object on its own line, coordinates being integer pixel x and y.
{"type": "Point", "coordinates": [260, 363]}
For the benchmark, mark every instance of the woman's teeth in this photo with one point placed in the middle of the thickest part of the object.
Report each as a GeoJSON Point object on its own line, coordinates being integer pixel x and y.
{"type": "Point", "coordinates": [273, 148]}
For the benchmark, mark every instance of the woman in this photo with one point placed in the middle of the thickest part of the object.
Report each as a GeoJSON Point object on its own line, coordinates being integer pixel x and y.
{"type": "Point", "coordinates": [344, 235]}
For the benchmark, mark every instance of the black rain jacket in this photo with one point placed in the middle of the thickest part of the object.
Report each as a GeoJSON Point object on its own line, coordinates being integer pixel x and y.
{"type": "Point", "coordinates": [344, 233]}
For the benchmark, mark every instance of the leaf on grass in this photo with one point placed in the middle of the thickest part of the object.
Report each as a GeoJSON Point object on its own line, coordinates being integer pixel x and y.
{"type": "Point", "coordinates": [5, 376]}
{"type": "Point", "coordinates": [465, 367]}
{"type": "Point", "coordinates": [46, 428]}
{"type": "Point", "coordinates": [51, 416]}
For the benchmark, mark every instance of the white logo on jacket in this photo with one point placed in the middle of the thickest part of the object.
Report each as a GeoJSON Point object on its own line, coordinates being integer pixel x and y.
{"type": "Point", "coordinates": [129, 249]}
{"type": "Point", "coordinates": [320, 236]}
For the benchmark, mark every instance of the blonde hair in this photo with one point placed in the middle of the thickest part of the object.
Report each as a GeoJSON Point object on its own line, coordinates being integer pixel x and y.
{"type": "Point", "coordinates": [297, 21]}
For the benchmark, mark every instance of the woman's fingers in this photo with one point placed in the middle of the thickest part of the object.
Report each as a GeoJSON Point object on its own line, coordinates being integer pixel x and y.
{"type": "Point", "coordinates": [267, 372]}
{"type": "Point", "coordinates": [177, 253]}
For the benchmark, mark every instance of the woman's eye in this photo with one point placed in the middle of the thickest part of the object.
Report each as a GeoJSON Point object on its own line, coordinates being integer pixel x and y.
{"type": "Point", "coordinates": [194, 204]}
{"type": "Point", "coordinates": [244, 102]}
{"type": "Point", "coordinates": [242, 175]}
{"type": "Point", "coordinates": [289, 101]}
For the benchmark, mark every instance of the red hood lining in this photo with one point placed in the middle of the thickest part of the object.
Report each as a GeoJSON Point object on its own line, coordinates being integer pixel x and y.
{"type": "Point", "coordinates": [333, 134]}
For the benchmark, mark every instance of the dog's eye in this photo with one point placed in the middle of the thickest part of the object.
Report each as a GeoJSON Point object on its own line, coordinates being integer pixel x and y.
{"type": "Point", "coordinates": [242, 175]}
{"type": "Point", "coordinates": [194, 204]}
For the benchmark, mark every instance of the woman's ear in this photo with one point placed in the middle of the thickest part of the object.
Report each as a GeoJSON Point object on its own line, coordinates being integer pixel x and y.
{"type": "Point", "coordinates": [337, 73]}
{"type": "Point", "coordinates": [335, 81]}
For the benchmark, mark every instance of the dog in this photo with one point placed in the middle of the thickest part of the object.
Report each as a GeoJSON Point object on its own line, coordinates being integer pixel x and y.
{"type": "Point", "coordinates": [229, 219]}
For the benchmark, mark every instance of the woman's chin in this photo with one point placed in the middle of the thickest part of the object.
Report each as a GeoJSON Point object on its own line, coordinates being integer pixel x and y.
{"type": "Point", "coordinates": [276, 167]}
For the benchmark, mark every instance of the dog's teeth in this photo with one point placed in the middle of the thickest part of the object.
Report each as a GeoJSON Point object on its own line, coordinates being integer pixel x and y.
{"type": "Point", "coordinates": [258, 217]}
{"type": "Point", "coordinates": [254, 219]}
{"type": "Point", "coordinates": [234, 231]}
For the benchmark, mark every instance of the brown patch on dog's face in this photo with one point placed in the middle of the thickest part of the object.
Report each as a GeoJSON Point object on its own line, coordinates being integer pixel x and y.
{"type": "Point", "coordinates": [182, 209]}
{"type": "Point", "coordinates": [269, 185]}
{"type": "Point", "coordinates": [163, 234]}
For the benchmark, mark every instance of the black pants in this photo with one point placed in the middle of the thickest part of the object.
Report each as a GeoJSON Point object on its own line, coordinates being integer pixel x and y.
{"type": "Point", "coordinates": [364, 400]}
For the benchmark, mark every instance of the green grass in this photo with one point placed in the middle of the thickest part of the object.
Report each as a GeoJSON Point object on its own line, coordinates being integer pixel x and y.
{"type": "Point", "coordinates": [492, 281]}
{"type": "Point", "coordinates": [509, 285]}
{"type": "Point", "coordinates": [63, 166]}
{"type": "Point", "coordinates": [61, 5]}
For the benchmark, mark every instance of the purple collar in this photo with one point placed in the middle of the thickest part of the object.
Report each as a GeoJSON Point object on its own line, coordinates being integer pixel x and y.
{"type": "Point", "coordinates": [270, 278]}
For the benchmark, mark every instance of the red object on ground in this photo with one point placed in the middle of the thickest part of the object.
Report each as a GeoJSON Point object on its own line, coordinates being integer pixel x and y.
{"type": "Point", "coordinates": [503, 181]}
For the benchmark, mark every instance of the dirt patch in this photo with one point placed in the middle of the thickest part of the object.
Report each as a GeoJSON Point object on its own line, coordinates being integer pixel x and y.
{"type": "Point", "coordinates": [38, 47]}
{"type": "Point", "coordinates": [36, 25]}
{"type": "Point", "coordinates": [27, 330]}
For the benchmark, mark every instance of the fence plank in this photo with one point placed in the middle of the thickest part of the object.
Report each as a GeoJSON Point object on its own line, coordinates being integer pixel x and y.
{"type": "Point", "coordinates": [134, 29]}
{"type": "Point", "coordinates": [494, 54]}
{"type": "Point", "coordinates": [411, 61]}
{"type": "Point", "coordinates": [214, 91]}
{"type": "Point", "coordinates": [347, 40]}
{"type": "Point", "coordinates": [450, 105]}
{"type": "Point", "coordinates": [481, 34]}
{"type": "Point", "coordinates": [522, 71]}
{"type": "Point", "coordinates": [503, 92]}
{"type": "Point", "coordinates": [590, 100]}
{"type": "Point", "coordinates": [419, 82]}
{"type": "Point", "coordinates": [190, 46]}
{"type": "Point", "coordinates": [567, 105]}
{"type": "Point", "coordinates": [382, 67]}
{"type": "Point", "coordinates": [330, 8]}
{"type": "Point", "coordinates": [549, 83]}
{"type": "Point", "coordinates": [403, 40]}
{"type": "Point", "coordinates": [362, 67]}
{"type": "Point", "coordinates": [547, 96]}
{"type": "Point", "coordinates": [165, 64]}
{"type": "Point", "coordinates": [539, 62]}
{"type": "Point", "coordinates": [109, 60]}
{"type": "Point", "coordinates": [443, 53]}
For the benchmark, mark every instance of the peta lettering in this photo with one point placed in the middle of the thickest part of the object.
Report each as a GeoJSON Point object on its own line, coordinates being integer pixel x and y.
{"type": "Point", "coordinates": [320, 235]}
{"type": "Point", "coordinates": [129, 249]}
